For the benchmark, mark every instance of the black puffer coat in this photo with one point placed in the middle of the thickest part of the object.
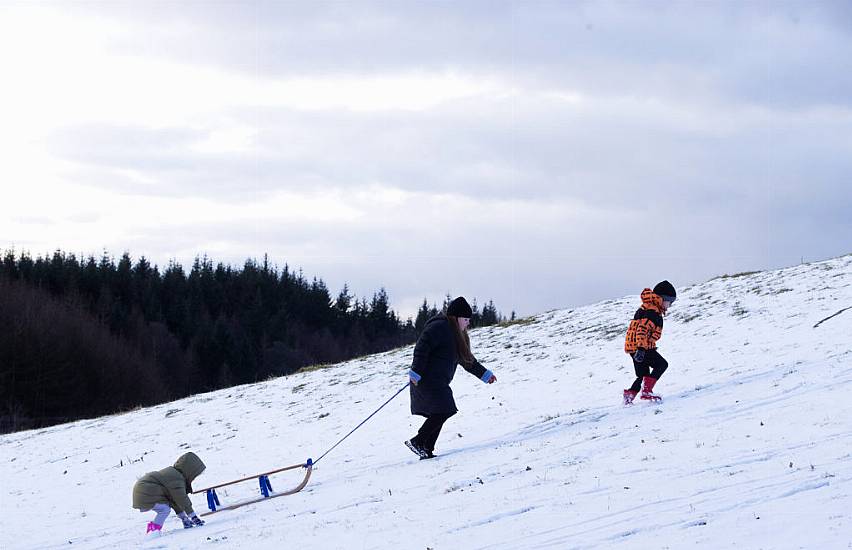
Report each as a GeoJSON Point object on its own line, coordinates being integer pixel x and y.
{"type": "Point", "coordinates": [435, 360]}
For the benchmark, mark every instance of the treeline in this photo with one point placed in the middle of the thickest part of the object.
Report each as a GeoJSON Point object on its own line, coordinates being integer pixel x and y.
{"type": "Point", "coordinates": [87, 337]}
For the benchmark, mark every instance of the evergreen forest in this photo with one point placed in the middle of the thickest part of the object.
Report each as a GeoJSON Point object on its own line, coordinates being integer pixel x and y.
{"type": "Point", "coordinates": [84, 337]}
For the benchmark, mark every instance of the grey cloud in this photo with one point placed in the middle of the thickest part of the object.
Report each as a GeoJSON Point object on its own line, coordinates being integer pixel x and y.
{"type": "Point", "coordinates": [132, 146]}
{"type": "Point", "coordinates": [538, 152]}
{"type": "Point", "coordinates": [164, 157]}
{"type": "Point", "coordinates": [754, 51]}
{"type": "Point", "coordinates": [712, 138]}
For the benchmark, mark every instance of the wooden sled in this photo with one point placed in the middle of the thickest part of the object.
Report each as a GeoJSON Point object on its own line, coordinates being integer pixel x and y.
{"type": "Point", "coordinates": [265, 488]}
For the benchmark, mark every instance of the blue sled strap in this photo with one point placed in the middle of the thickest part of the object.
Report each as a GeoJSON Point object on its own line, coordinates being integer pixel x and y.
{"type": "Point", "coordinates": [212, 499]}
{"type": "Point", "coordinates": [265, 486]}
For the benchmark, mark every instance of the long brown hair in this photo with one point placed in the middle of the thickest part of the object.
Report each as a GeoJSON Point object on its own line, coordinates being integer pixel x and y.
{"type": "Point", "coordinates": [462, 342]}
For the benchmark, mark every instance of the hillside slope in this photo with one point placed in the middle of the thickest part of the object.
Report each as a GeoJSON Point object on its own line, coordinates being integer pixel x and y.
{"type": "Point", "coordinates": [751, 448]}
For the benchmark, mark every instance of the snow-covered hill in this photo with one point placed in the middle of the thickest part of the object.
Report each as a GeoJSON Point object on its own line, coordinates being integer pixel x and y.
{"type": "Point", "coordinates": [752, 447]}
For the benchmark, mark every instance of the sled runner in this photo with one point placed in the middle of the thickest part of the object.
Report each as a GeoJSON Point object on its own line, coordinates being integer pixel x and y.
{"type": "Point", "coordinates": [265, 488]}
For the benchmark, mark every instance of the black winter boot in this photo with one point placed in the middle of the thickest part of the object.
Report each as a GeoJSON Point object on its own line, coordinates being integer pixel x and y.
{"type": "Point", "coordinates": [415, 448]}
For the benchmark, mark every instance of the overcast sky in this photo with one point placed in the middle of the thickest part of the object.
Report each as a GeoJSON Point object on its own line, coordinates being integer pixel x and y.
{"type": "Point", "coordinates": [540, 154]}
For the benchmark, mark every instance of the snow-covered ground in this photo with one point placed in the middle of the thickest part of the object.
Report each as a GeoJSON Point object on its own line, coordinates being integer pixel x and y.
{"type": "Point", "coordinates": [752, 447]}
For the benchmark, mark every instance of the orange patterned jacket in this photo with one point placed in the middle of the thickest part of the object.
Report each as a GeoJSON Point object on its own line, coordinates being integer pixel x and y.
{"type": "Point", "coordinates": [647, 325]}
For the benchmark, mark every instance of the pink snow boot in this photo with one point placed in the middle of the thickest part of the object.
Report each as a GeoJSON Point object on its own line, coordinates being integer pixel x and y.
{"type": "Point", "coordinates": [648, 389]}
{"type": "Point", "coordinates": [629, 396]}
{"type": "Point", "coordinates": [153, 527]}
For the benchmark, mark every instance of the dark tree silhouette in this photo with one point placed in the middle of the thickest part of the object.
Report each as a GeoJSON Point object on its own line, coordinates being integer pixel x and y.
{"type": "Point", "coordinates": [87, 337]}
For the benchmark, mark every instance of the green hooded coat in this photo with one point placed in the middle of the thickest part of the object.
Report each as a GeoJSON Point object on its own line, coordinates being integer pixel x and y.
{"type": "Point", "coordinates": [170, 485]}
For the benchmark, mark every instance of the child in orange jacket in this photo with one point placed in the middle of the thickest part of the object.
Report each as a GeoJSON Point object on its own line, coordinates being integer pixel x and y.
{"type": "Point", "coordinates": [641, 341]}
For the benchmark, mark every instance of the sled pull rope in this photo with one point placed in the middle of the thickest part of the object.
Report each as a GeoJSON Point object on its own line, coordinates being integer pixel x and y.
{"type": "Point", "coordinates": [399, 391]}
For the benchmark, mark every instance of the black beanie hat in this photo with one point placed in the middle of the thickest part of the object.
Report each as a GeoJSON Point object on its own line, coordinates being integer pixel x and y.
{"type": "Point", "coordinates": [460, 308]}
{"type": "Point", "coordinates": [666, 291]}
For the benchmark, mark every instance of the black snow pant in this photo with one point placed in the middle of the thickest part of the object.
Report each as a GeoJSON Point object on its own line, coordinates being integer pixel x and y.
{"type": "Point", "coordinates": [654, 366]}
{"type": "Point", "coordinates": [428, 433]}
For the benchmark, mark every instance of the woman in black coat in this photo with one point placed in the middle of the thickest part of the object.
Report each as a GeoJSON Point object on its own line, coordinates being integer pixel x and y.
{"type": "Point", "coordinates": [443, 344]}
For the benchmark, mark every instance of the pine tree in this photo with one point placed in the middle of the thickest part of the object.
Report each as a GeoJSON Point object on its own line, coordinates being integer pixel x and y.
{"type": "Point", "coordinates": [344, 300]}
{"type": "Point", "coordinates": [422, 317]}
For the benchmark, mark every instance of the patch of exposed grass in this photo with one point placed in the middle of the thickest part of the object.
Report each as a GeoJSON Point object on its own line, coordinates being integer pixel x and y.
{"type": "Point", "coordinates": [524, 321]}
{"type": "Point", "coordinates": [611, 332]}
{"type": "Point", "coordinates": [318, 366]}
{"type": "Point", "coordinates": [736, 275]}
{"type": "Point", "coordinates": [739, 310]}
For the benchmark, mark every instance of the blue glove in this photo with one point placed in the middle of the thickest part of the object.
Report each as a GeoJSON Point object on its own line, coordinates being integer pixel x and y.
{"type": "Point", "coordinates": [187, 523]}
{"type": "Point", "coordinates": [413, 377]}
{"type": "Point", "coordinates": [639, 356]}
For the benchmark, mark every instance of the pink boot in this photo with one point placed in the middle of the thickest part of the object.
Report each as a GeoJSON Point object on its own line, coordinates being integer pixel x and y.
{"type": "Point", "coordinates": [153, 527]}
{"type": "Point", "coordinates": [648, 389]}
{"type": "Point", "coordinates": [629, 396]}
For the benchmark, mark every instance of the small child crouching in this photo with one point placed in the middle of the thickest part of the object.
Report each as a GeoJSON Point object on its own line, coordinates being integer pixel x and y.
{"type": "Point", "coordinates": [169, 489]}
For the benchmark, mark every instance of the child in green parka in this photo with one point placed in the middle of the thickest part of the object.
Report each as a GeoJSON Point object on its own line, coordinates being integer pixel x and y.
{"type": "Point", "coordinates": [169, 489]}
